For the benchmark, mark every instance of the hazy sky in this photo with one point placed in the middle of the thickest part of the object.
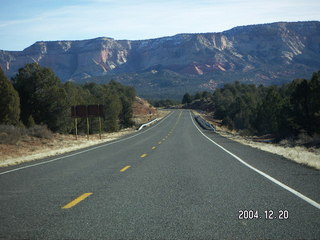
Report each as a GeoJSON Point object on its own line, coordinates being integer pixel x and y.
{"type": "Point", "coordinates": [23, 22]}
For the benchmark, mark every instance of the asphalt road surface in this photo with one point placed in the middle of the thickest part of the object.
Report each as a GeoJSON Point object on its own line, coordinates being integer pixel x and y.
{"type": "Point", "coordinates": [169, 181]}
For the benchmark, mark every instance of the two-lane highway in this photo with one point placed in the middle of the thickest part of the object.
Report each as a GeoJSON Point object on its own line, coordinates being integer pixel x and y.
{"type": "Point", "coordinates": [169, 181]}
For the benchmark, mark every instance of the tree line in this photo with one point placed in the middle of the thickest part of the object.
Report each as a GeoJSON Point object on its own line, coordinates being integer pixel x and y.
{"type": "Point", "coordinates": [284, 111]}
{"type": "Point", "coordinates": [37, 96]}
{"type": "Point", "coordinates": [188, 98]}
{"type": "Point", "coordinates": [163, 103]}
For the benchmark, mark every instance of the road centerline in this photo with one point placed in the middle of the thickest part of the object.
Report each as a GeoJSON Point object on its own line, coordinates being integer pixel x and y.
{"type": "Point", "coordinates": [77, 200]}
{"type": "Point", "coordinates": [125, 168]}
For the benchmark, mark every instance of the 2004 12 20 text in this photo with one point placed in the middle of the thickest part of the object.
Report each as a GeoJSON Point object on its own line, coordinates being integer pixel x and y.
{"type": "Point", "coordinates": [266, 214]}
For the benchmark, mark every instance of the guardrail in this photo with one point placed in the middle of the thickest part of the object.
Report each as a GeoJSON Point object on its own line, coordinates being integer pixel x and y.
{"type": "Point", "coordinates": [204, 124]}
{"type": "Point", "coordinates": [147, 124]}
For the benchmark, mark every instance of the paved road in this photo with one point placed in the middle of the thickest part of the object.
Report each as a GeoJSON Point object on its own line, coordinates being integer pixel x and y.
{"type": "Point", "coordinates": [170, 181]}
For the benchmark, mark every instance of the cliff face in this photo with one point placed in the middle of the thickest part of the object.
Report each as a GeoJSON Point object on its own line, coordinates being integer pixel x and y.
{"type": "Point", "coordinates": [70, 59]}
{"type": "Point", "coordinates": [264, 53]}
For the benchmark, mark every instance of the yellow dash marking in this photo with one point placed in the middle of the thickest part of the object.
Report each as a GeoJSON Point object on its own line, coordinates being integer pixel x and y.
{"type": "Point", "coordinates": [125, 168]}
{"type": "Point", "coordinates": [143, 155]}
{"type": "Point", "coordinates": [159, 142]}
{"type": "Point", "coordinates": [77, 200]}
{"type": "Point", "coordinates": [153, 148]}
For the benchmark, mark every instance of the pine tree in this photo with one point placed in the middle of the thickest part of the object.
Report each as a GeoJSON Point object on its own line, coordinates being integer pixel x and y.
{"type": "Point", "coordinates": [9, 102]}
{"type": "Point", "coordinates": [300, 101]}
{"type": "Point", "coordinates": [113, 110]}
{"type": "Point", "coordinates": [269, 112]}
{"type": "Point", "coordinates": [186, 98]}
{"type": "Point", "coordinates": [314, 107]}
{"type": "Point", "coordinates": [42, 97]}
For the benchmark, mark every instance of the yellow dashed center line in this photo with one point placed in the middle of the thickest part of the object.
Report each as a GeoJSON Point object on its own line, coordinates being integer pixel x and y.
{"type": "Point", "coordinates": [77, 200]}
{"type": "Point", "coordinates": [125, 168]}
{"type": "Point", "coordinates": [84, 196]}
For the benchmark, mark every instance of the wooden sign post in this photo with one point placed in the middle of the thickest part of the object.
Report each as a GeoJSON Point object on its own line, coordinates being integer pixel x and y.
{"type": "Point", "coordinates": [76, 126]}
{"type": "Point", "coordinates": [86, 111]}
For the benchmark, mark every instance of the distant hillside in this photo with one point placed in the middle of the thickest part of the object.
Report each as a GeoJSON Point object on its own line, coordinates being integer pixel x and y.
{"type": "Point", "coordinates": [263, 54]}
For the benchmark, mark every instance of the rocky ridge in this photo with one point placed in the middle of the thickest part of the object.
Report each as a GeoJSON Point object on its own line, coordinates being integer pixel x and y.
{"type": "Point", "coordinates": [262, 54]}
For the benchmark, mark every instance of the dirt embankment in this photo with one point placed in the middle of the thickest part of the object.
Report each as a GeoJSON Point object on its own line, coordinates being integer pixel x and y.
{"type": "Point", "coordinates": [299, 154]}
{"type": "Point", "coordinates": [30, 148]}
{"type": "Point", "coordinates": [143, 112]}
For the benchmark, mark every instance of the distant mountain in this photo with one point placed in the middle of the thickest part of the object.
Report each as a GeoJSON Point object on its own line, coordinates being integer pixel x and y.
{"type": "Point", "coordinates": [164, 67]}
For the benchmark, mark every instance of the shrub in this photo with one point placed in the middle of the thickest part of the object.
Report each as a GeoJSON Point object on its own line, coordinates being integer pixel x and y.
{"type": "Point", "coordinates": [307, 140]}
{"type": "Point", "coordinates": [9, 102]}
{"type": "Point", "coordinates": [40, 131]}
{"type": "Point", "coordinates": [10, 134]}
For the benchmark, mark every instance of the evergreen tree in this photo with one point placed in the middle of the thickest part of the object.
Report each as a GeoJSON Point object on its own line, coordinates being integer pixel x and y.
{"type": "Point", "coordinates": [197, 96]}
{"type": "Point", "coordinates": [314, 102]}
{"type": "Point", "coordinates": [42, 97]}
{"type": "Point", "coordinates": [113, 109]}
{"type": "Point", "coordinates": [186, 98]}
{"type": "Point", "coordinates": [269, 112]}
{"type": "Point", "coordinates": [128, 95]}
{"type": "Point", "coordinates": [9, 102]}
{"type": "Point", "coordinates": [77, 95]}
{"type": "Point", "coordinates": [118, 101]}
{"type": "Point", "coordinates": [127, 112]}
{"type": "Point", "coordinates": [300, 101]}
{"type": "Point", "coordinates": [205, 95]}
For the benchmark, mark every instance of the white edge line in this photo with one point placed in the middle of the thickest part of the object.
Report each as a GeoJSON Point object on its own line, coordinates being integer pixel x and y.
{"type": "Point", "coordinates": [298, 194]}
{"type": "Point", "coordinates": [84, 151]}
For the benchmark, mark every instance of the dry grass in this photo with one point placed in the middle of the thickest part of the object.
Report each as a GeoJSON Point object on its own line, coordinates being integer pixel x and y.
{"type": "Point", "coordinates": [32, 148]}
{"type": "Point", "coordinates": [39, 142]}
{"type": "Point", "coordinates": [300, 154]}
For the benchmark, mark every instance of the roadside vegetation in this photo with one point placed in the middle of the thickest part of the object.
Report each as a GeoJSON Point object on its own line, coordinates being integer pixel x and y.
{"type": "Point", "coordinates": [10, 134]}
{"type": "Point", "coordinates": [290, 111]}
{"type": "Point", "coordinates": [164, 103]}
{"type": "Point", "coordinates": [36, 103]}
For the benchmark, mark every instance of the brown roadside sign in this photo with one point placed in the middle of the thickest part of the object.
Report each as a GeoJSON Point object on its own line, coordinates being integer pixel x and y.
{"type": "Point", "coordinates": [79, 111]}
{"type": "Point", "coordinates": [82, 111]}
{"type": "Point", "coordinates": [95, 110]}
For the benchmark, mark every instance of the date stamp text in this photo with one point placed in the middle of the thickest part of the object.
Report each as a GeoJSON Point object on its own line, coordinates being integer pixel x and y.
{"type": "Point", "coordinates": [266, 214]}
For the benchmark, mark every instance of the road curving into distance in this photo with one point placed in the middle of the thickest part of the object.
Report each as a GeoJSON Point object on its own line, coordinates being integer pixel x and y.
{"type": "Point", "coordinates": [170, 181]}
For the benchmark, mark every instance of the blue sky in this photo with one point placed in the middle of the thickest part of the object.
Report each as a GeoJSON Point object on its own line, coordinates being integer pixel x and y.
{"type": "Point", "coordinates": [23, 22]}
